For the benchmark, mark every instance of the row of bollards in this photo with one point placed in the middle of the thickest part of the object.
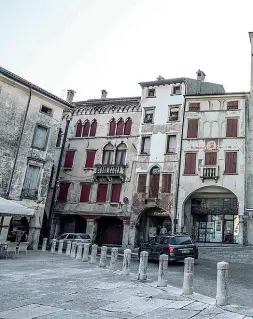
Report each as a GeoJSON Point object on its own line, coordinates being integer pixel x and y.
{"type": "Point", "coordinates": [81, 251]}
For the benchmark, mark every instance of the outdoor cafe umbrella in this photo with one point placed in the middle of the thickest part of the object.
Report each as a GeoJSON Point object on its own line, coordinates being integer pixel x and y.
{"type": "Point", "coordinates": [11, 208]}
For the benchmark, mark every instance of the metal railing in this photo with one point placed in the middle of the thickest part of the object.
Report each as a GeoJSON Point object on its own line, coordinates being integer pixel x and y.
{"type": "Point", "coordinates": [209, 172]}
{"type": "Point", "coordinates": [110, 169]}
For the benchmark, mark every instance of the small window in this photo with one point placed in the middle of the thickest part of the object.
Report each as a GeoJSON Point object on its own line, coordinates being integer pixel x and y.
{"type": "Point", "coordinates": [230, 163]}
{"type": "Point", "coordinates": [210, 158]}
{"type": "Point", "coordinates": [102, 193]}
{"type": "Point", "coordinates": [232, 128]}
{"type": "Point", "coordinates": [108, 153]}
{"type": "Point", "coordinates": [63, 192]}
{"type": "Point", "coordinates": [177, 90]}
{"type": "Point", "coordinates": [46, 110]}
{"type": "Point", "coordinates": [149, 116]}
{"type": "Point", "coordinates": [90, 158]}
{"type": "Point", "coordinates": [151, 92]}
{"type": "Point", "coordinates": [69, 159]}
{"type": "Point", "coordinates": [173, 114]}
{"type": "Point", "coordinates": [194, 107]}
{"type": "Point", "coordinates": [166, 183]}
{"type": "Point", "coordinates": [192, 130]}
{"type": "Point", "coordinates": [142, 183]}
{"type": "Point", "coordinates": [31, 184]}
{"type": "Point", "coordinates": [171, 144]}
{"type": "Point", "coordinates": [85, 193]}
{"type": "Point", "coordinates": [40, 137]}
{"type": "Point", "coordinates": [190, 164]}
{"type": "Point", "coordinates": [93, 128]}
{"type": "Point", "coordinates": [120, 127]}
{"type": "Point", "coordinates": [145, 145]}
{"type": "Point", "coordinates": [115, 195]}
{"type": "Point", "coordinates": [232, 105]}
{"type": "Point", "coordinates": [127, 128]}
{"type": "Point", "coordinates": [112, 127]}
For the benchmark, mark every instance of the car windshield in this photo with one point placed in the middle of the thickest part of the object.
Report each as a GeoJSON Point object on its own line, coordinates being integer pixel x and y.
{"type": "Point", "coordinates": [83, 236]}
{"type": "Point", "coordinates": [62, 236]}
{"type": "Point", "coordinates": [180, 240]}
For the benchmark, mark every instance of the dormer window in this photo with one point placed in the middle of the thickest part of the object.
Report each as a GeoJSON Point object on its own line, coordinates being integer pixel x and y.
{"type": "Point", "coordinates": [177, 90]}
{"type": "Point", "coordinates": [151, 92]}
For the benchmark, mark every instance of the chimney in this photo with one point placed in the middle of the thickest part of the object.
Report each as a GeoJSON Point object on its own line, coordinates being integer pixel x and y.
{"type": "Point", "coordinates": [70, 96]}
{"type": "Point", "coordinates": [103, 94]}
{"type": "Point", "coordinates": [200, 76]}
{"type": "Point", "coordinates": [160, 78]}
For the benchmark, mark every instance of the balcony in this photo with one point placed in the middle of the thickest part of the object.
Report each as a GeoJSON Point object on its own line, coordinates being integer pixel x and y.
{"type": "Point", "coordinates": [29, 193]}
{"type": "Point", "coordinates": [110, 170]}
{"type": "Point", "coordinates": [209, 172]}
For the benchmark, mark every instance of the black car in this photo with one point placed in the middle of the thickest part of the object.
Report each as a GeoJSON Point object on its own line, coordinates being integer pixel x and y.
{"type": "Point", "coordinates": [177, 247]}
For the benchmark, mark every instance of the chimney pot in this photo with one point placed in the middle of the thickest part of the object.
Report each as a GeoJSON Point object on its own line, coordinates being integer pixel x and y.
{"type": "Point", "coordinates": [70, 96]}
{"type": "Point", "coordinates": [200, 75]}
{"type": "Point", "coordinates": [103, 94]}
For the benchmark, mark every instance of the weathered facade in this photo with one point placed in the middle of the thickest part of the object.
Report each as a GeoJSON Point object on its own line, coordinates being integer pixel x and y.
{"type": "Point", "coordinates": [29, 126]}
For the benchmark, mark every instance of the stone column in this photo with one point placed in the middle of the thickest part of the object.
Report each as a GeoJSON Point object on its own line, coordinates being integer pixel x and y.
{"type": "Point", "coordinates": [68, 249]}
{"type": "Point", "coordinates": [163, 267]}
{"type": "Point", "coordinates": [5, 228]}
{"type": "Point", "coordinates": [142, 275]}
{"type": "Point", "coordinates": [114, 258]}
{"type": "Point", "coordinates": [73, 250]}
{"type": "Point", "coordinates": [126, 262]}
{"type": "Point", "coordinates": [222, 283]}
{"type": "Point", "coordinates": [86, 251]}
{"type": "Point", "coordinates": [240, 230]}
{"type": "Point", "coordinates": [79, 251]}
{"type": "Point", "coordinates": [44, 245]}
{"type": "Point", "coordinates": [103, 256]}
{"type": "Point", "coordinates": [188, 276]}
{"type": "Point", "coordinates": [91, 229]}
{"type": "Point", "coordinates": [53, 246]}
{"type": "Point", "coordinates": [60, 246]}
{"type": "Point", "coordinates": [93, 257]}
{"type": "Point", "coordinates": [125, 233]}
{"type": "Point", "coordinates": [34, 236]}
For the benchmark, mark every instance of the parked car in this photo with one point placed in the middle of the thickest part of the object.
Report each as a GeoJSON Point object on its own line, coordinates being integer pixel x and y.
{"type": "Point", "coordinates": [73, 237]}
{"type": "Point", "coordinates": [177, 247]}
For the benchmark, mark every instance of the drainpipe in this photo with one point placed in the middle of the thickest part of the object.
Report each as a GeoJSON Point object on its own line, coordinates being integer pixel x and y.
{"type": "Point", "coordinates": [19, 143]}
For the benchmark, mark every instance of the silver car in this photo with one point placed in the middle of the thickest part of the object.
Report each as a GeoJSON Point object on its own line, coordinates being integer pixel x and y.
{"type": "Point", "coordinates": [73, 237]}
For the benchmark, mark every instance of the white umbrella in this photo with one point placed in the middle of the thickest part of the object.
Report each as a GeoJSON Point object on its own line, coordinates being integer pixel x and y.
{"type": "Point", "coordinates": [9, 207]}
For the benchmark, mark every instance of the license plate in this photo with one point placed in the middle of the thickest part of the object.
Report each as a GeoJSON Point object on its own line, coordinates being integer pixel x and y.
{"type": "Point", "coordinates": [185, 251]}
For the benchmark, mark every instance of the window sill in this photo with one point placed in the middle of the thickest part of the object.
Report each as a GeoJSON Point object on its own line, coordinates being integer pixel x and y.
{"type": "Point", "coordinates": [230, 173]}
{"type": "Point", "coordinates": [170, 153]}
{"type": "Point", "coordinates": [172, 121]}
{"type": "Point", "coordinates": [231, 136]}
{"type": "Point", "coordinates": [38, 148]}
{"type": "Point", "coordinates": [194, 174]}
{"type": "Point", "coordinates": [148, 122]}
{"type": "Point", "coordinates": [144, 154]}
{"type": "Point", "coordinates": [88, 168]}
{"type": "Point", "coordinates": [151, 97]}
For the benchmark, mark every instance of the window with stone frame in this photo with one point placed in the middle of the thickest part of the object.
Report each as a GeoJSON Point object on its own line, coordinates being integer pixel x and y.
{"type": "Point", "coordinates": [149, 115]}
{"type": "Point", "coordinates": [145, 145]}
{"type": "Point", "coordinates": [173, 113]}
{"type": "Point", "coordinates": [151, 92]}
{"type": "Point", "coordinates": [40, 137]}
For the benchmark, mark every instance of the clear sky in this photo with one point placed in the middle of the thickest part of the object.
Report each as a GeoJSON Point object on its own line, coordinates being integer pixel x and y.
{"type": "Point", "coordinates": [89, 45]}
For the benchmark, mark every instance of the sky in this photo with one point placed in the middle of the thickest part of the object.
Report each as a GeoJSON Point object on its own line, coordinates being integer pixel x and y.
{"type": "Point", "coordinates": [90, 45]}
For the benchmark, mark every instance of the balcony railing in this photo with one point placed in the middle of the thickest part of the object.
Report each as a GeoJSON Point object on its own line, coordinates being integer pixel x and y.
{"type": "Point", "coordinates": [110, 170]}
{"type": "Point", "coordinates": [209, 172]}
{"type": "Point", "coordinates": [29, 193]}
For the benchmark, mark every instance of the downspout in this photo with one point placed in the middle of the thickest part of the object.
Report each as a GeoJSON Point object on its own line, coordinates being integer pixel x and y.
{"type": "Point", "coordinates": [19, 143]}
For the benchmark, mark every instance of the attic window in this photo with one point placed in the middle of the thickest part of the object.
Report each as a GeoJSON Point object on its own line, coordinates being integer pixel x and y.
{"type": "Point", "coordinates": [177, 90]}
{"type": "Point", "coordinates": [46, 110]}
{"type": "Point", "coordinates": [151, 92]}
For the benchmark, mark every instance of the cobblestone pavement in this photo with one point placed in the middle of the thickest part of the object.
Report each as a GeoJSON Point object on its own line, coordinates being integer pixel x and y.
{"type": "Point", "coordinates": [48, 286]}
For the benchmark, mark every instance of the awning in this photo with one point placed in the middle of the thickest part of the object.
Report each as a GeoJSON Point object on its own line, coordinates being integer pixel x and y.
{"type": "Point", "coordinates": [9, 207]}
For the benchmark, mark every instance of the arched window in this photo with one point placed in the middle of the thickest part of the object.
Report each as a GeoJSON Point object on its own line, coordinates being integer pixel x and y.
{"type": "Point", "coordinates": [93, 128]}
{"type": "Point", "coordinates": [79, 128]}
{"type": "Point", "coordinates": [112, 127]}
{"type": "Point", "coordinates": [58, 142]}
{"type": "Point", "coordinates": [127, 128]}
{"type": "Point", "coordinates": [154, 182]}
{"type": "Point", "coordinates": [108, 152]}
{"type": "Point", "coordinates": [86, 128]}
{"type": "Point", "coordinates": [120, 158]}
{"type": "Point", "coordinates": [120, 127]}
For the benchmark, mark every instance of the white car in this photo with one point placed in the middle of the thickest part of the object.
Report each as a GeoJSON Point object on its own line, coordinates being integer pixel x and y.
{"type": "Point", "coordinates": [73, 237]}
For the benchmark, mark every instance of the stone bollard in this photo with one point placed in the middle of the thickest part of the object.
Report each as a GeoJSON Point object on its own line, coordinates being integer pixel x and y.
{"type": "Point", "coordinates": [86, 251]}
{"type": "Point", "coordinates": [93, 257]}
{"type": "Point", "coordinates": [103, 257]}
{"type": "Point", "coordinates": [143, 266]}
{"type": "Point", "coordinates": [163, 267]}
{"type": "Point", "coordinates": [114, 258]}
{"type": "Point", "coordinates": [222, 283]}
{"type": "Point", "coordinates": [79, 251]}
{"type": "Point", "coordinates": [60, 246]}
{"type": "Point", "coordinates": [126, 262]}
{"type": "Point", "coordinates": [44, 245]}
{"type": "Point", "coordinates": [53, 246]}
{"type": "Point", "coordinates": [68, 249]}
{"type": "Point", "coordinates": [188, 276]}
{"type": "Point", "coordinates": [73, 250]}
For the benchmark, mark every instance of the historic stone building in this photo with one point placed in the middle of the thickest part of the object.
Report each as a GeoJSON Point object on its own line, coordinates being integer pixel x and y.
{"type": "Point", "coordinates": [29, 123]}
{"type": "Point", "coordinates": [96, 182]}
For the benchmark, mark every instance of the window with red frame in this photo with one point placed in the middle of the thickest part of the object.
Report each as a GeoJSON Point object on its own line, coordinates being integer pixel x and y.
{"type": "Point", "coordinates": [79, 129]}
{"type": "Point", "coordinates": [112, 127]}
{"type": "Point", "coordinates": [128, 126]}
{"type": "Point", "coordinates": [90, 157]}
{"type": "Point", "coordinates": [232, 105]}
{"type": "Point", "coordinates": [93, 128]}
{"type": "Point", "coordinates": [232, 127]}
{"type": "Point", "coordinates": [86, 128]}
{"type": "Point", "coordinates": [63, 192]}
{"type": "Point", "coordinates": [193, 125]}
{"type": "Point", "coordinates": [69, 159]}
{"type": "Point", "coordinates": [101, 193]}
{"type": "Point", "coordinates": [85, 193]}
{"type": "Point", "coordinates": [120, 127]}
{"type": "Point", "coordinates": [115, 195]}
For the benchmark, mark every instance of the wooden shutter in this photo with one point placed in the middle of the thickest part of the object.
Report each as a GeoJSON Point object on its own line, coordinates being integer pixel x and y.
{"type": "Point", "coordinates": [58, 142]}
{"type": "Point", "coordinates": [63, 192]}
{"type": "Point", "coordinates": [112, 127]}
{"type": "Point", "coordinates": [231, 163]}
{"type": "Point", "coordinates": [194, 107]}
{"type": "Point", "coordinates": [192, 131]}
{"type": "Point", "coordinates": [154, 185]}
{"type": "Point", "coordinates": [142, 183]}
{"type": "Point", "coordinates": [86, 129]}
{"type": "Point", "coordinates": [190, 163]}
{"type": "Point", "coordinates": [69, 159]}
{"type": "Point", "coordinates": [115, 196]}
{"type": "Point", "coordinates": [102, 192]}
{"type": "Point", "coordinates": [90, 157]}
{"type": "Point", "coordinates": [166, 183]}
{"type": "Point", "coordinates": [232, 105]}
{"type": "Point", "coordinates": [211, 158]}
{"type": "Point", "coordinates": [85, 193]}
{"type": "Point", "coordinates": [120, 127]}
{"type": "Point", "coordinates": [93, 128]}
{"type": "Point", "coordinates": [79, 129]}
{"type": "Point", "coordinates": [128, 125]}
{"type": "Point", "coordinates": [232, 125]}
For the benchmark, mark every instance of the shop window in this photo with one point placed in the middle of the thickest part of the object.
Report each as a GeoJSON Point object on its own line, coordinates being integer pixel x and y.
{"type": "Point", "coordinates": [149, 116]}
{"type": "Point", "coordinates": [166, 183]}
{"type": "Point", "coordinates": [120, 127]}
{"type": "Point", "coordinates": [190, 164]}
{"type": "Point", "coordinates": [231, 163]}
{"type": "Point", "coordinates": [145, 145]}
{"type": "Point", "coordinates": [79, 128]}
{"type": "Point", "coordinates": [192, 131]}
{"type": "Point", "coordinates": [31, 183]}
{"type": "Point", "coordinates": [232, 105]}
{"type": "Point", "coordinates": [115, 195]}
{"type": "Point", "coordinates": [177, 90]}
{"type": "Point", "coordinates": [173, 114]}
{"type": "Point", "coordinates": [112, 127]}
{"type": "Point", "coordinates": [232, 125]}
{"type": "Point", "coordinates": [90, 157]}
{"type": "Point", "coordinates": [93, 128]}
{"type": "Point", "coordinates": [128, 126]}
{"type": "Point", "coordinates": [121, 154]}
{"type": "Point", "coordinates": [63, 192]}
{"type": "Point", "coordinates": [69, 159]}
{"type": "Point", "coordinates": [58, 142]}
{"type": "Point", "coordinates": [102, 193]}
{"type": "Point", "coordinates": [151, 92]}
{"type": "Point", "coordinates": [154, 182]}
{"type": "Point", "coordinates": [40, 137]}
{"type": "Point", "coordinates": [194, 107]}
{"type": "Point", "coordinates": [210, 158]}
{"type": "Point", "coordinates": [142, 183]}
{"type": "Point", "coordinates": [108, 153]}
{"type": "Point", "coordinates": [85, 193]}
{"type": "Point", "coordinates": [86, 129]}
{"type": "Point", "coordinates": [171, 144]}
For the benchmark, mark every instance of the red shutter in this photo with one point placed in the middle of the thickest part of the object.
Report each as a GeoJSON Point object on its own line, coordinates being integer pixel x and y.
{"type": "Point", "coordinates": [154, 185]}
{"type": "Point", "coordinates": [190, 163]}
{"type": "Point", "coordinates": [232, 125]}
{"type": "Point", "coordinates": [232, 105]}
{"type": "Point", "coordinates": [142, 183]}
{"type": "Point", "coordinates": [192, 131]}
{"type": "Point", "coordinates": [112, 127]}
{"type": "Point", "coordinates": [85, 193]}
{"type": "Point", "coordinates": [128, 125]}
{"type": "Point", "coordinates": [115, 196]}
{"type": "Point", "coordinates": [101, 194]}
{"type": "Point", "coordinates": [63, 192]}
{"type": "Point", "coordinates": [231, 163]}
{"type": "Point", "coordinates": [58, 142]}
{"type": "Point", "coordinates": [93, 128]}
{"type": "Point", "coordinates": [210, 158]}
{"type": "Point", "coordinates": [166, 183]}
{"type": "Point", "coordinates": [69, 159]}
{"type": "Point", "coordinates": [90, 157]}
{"type": "Point", "coordinates": [79, 128]}
{"type": "Point", "coordinates": [86, 129]}
{"type": "Point", "coordinates": [120, 127]}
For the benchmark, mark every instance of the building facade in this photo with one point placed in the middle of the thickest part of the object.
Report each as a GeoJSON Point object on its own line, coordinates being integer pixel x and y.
{"type": "Point", "coordinates": [29, 126]}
